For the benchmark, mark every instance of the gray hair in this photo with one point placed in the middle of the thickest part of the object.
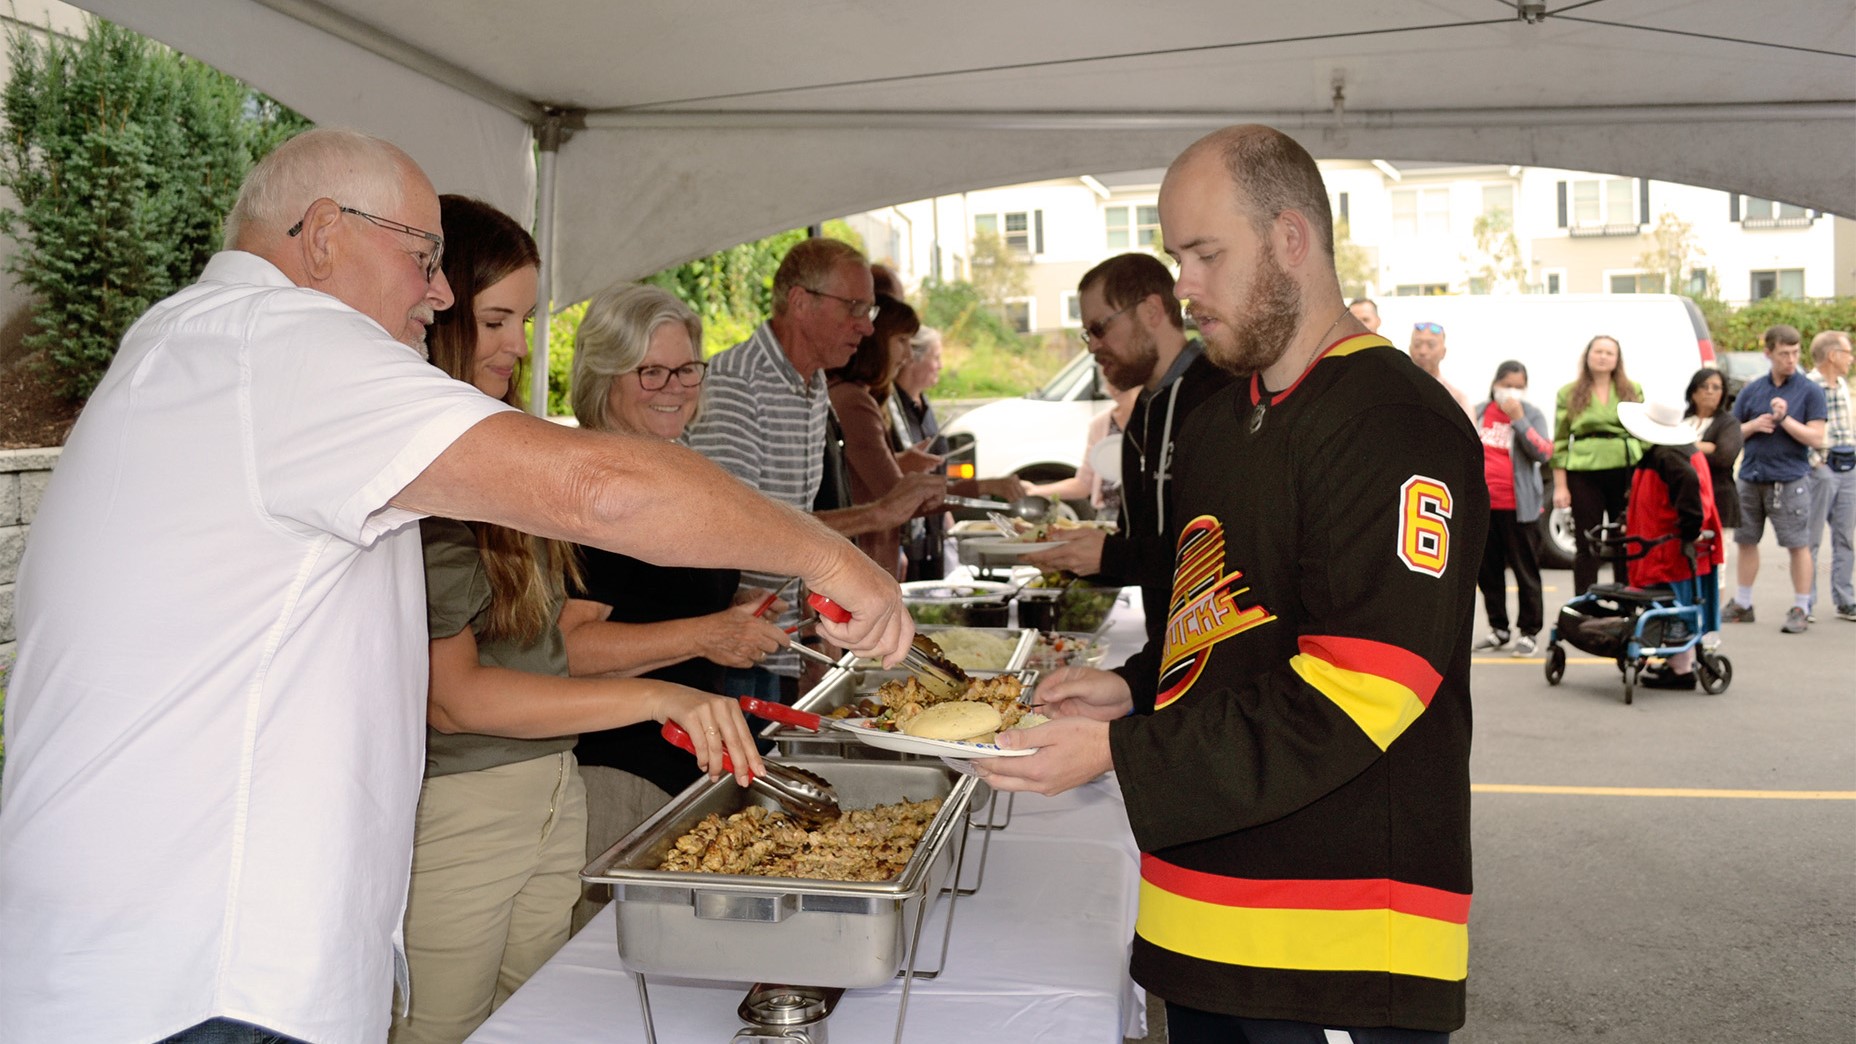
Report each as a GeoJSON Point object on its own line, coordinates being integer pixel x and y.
{"type": "Point", "coordinates": [924, 339]}
{"type": "Point", "coordinates": [354, 169]}
{"type": "Point", "coordinates": [613, 337]}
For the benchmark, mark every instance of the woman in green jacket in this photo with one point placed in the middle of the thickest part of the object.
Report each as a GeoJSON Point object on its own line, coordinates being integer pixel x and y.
{"type": "Point", "coordinates": [1592, 453]}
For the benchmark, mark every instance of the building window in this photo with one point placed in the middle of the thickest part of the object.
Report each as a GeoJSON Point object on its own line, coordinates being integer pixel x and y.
{"type": "Point", "coordinates": [1498, 198]}
{"type": "Point", "coordinates": [1340, 208]}
{"type": "Point", "coordinates": [1783, 282]}
{"type": "Point", "coordinates": [1421, 290]}
{"type": "Point", "coordinates": [1120, 235]}
{"type": "Point", "coordinates": [1553, 281]}
{"type": "Point", "coordinates": [1072, 308]}
{"type": "Point", "coordinates": [1022, 230]}
{"type": "Point", "coordinates": [1754, 212]}
{"type": "Point", "coordinates": [1021, 314]}
{"type": "Point", "coordinates": [1697, 282]}
{"type": "Point", "coordinates": [1420, 213]}
{"type": "Point", "coordinates": [1636, 282]}
{"type": "Point", "coordinates": [1602, 206]}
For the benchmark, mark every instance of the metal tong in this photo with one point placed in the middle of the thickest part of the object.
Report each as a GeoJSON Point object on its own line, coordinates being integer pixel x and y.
{"type": "Point", "coordinates": [925, 660]}
{"type": "Point", "coordinates": [807, 795]}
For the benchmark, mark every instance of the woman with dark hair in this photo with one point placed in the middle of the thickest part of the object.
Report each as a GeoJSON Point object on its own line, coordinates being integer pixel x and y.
{"type": "Point", "coordinates": [1513, 446]}
{"type": "Point", "coordinates": [1718, 437]}
{"type": "Point", "coordinates": [1592, 453]}
{"type": "Point", "coordinates": [859, 389]}
{"type": "Point", "coordinates": [501, 829]}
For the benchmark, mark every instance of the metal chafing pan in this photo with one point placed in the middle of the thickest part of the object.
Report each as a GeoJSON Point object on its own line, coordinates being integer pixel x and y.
{"type": "Point", "coordinates": [754, 929]}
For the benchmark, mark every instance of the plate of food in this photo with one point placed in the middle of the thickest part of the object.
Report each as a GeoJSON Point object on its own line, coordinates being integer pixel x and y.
{"type": "Point", "coordinates": [951, 592]}
{"type": "Point", "coordinates": [907, 717]}
{"type": "Point", "coordinates": [1001, 545]}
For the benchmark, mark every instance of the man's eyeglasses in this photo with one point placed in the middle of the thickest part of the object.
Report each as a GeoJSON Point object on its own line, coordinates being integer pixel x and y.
{"type": "Point", "coordinates": [858, 309]}
{"type": "Point", "coordinates": [689, 375]}
{"type": "Point", "coordinates": [1096, 329]}
{"type": "Point", "coordinates": [429, 261]}
{"type": "Point", "coordinates": [1430, 328]}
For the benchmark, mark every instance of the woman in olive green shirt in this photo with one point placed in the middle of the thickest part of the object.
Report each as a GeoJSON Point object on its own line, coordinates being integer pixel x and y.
{"type": "Point", "coordinates": [1592, 453]}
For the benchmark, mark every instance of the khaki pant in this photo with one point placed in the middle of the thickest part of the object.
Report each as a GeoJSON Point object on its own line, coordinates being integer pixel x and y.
{"type": "Point", "coordinates": [495, 873]}
{"type": "Point", "coordinates": [616, 801]}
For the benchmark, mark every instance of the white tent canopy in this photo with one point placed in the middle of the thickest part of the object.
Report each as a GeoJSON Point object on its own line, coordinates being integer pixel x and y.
{"type": "Point", "coordinates": [696, 125]}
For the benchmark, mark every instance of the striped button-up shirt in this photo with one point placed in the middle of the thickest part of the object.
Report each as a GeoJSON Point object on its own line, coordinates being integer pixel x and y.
{"type": "Point", "coordinates": [765, 425]}
{"type": "Point", "coordinates": [1836, 413]}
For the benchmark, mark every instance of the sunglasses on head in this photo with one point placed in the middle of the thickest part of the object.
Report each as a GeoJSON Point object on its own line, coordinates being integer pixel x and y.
{"type": "Point", "coordinates": [1433, 328]}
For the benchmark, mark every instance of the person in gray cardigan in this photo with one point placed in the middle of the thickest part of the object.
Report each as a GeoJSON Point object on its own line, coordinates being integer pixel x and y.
{"type": "Point", "coordinates": [1515, 443]}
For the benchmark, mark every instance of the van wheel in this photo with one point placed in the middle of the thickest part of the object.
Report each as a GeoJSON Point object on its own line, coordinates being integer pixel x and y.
{"type": "Point", "coordinates": [1557, 545]}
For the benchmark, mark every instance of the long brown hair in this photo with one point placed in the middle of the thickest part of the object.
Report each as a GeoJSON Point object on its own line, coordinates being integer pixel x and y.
{"type": "Point", "coordinates": [1621, 388]}
{"type": "Point", "coordinates": [871, 365]}
{"type": "Point", "coordinates": [483, 246]}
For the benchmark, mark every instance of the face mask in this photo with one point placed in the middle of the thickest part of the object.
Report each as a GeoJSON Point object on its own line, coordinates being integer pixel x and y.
{"type": "Point", "coordinates": [1508, 394]}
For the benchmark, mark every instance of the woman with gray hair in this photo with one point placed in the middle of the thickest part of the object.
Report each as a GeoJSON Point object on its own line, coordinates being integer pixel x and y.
{"type": "Point", "coordinates": [638, 371]}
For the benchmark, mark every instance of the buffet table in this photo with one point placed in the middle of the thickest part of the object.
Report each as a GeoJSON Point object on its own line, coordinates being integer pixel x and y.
{"type": "Point", "coordinates": [1038, 954]}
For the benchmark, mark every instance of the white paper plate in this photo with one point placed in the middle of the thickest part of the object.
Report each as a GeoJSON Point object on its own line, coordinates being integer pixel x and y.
{"type": "Point", "coordinates": [954, 592]}
{"type": "Point", "coordinates": [1002, 546]}
{"type": "Point", "coordinates": [907, 744]}
{"type": "Point", "coordinates": [1105, 458]}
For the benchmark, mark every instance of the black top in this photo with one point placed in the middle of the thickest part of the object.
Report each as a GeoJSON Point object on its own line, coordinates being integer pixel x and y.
{"type": "Point", "coordinates": [1141, 552]}
{"type": "Point", "coordinates": [1724, 431]}
{"type": "Point", "coordinates": [639, 593]}
{"type": "Point", "coordinates": [921, 544]}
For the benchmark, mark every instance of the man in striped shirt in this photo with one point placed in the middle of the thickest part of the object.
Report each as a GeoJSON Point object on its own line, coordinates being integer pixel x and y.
{"type": "Point", "coordinates": [1833, 492]}
{"type": "Point", "coordinates": [764, 415]}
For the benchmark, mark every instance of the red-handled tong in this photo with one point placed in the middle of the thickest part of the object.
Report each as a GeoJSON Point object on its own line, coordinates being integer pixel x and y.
{"type": "Point", "coordinates": [802, 792]}
{"type": "Point", "coordinates": [924, 659]}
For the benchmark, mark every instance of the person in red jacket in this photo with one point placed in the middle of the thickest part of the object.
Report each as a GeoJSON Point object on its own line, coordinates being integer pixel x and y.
{"type": "Point", "coordinates": [1672, 494]}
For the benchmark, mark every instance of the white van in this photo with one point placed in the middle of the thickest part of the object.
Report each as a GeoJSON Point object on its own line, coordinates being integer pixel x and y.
{"type": "Point", "coordinates": [1664, 340]}
{"type": "Point", "coordinates": [1663, 336]}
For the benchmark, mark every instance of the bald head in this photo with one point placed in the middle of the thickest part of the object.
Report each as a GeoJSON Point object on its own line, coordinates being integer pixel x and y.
{"type": "Point", "coordinates": [357, 170]}
{"type": "Point", "coordinates": [1272, 174]}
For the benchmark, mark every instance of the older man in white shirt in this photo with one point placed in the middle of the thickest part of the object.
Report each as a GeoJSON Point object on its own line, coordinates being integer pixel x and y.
{"type": "Point", "coordinates": [215, 723]}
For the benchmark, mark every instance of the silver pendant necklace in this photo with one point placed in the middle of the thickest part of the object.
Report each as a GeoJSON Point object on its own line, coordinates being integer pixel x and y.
{"type": "Point", "coordinates": [1263, 394]}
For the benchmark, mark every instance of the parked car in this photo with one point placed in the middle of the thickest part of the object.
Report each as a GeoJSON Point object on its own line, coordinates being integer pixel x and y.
{"type": "Point", "coordinates": [1038, 437]}
{"type": "Point", "coordinates": [1737, 368]}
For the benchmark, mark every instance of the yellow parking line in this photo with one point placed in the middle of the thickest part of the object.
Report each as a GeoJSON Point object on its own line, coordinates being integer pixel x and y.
{"type": "Point", "coordinates": [1689, 792]}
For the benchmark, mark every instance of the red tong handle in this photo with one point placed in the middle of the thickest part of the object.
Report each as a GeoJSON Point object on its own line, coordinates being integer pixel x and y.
{"type": "Point", "coordinates": [828, 609]}
{"type": "Point", "coordinates": [678, 737]}
{"type": "Point", "coordinates": [781, 713]}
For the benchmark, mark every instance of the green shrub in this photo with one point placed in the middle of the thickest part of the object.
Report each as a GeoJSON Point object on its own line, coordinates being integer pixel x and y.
{"type": "Point", "coordinates": [1740, 330]}
{"type": "Point", "coordinates": [123, 158]}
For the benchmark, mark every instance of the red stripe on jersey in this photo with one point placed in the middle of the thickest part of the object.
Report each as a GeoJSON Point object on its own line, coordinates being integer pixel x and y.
{"type": "Point", "coordinates": [1365, 656]}
{"type": "Point", "coordinates": [1313, 894]}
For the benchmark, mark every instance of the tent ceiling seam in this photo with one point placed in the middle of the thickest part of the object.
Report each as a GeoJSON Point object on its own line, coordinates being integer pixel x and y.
{"type": "Point", "coordinates": [1354, 119]}
{"type": "Point", "coordinates": [372, 39]}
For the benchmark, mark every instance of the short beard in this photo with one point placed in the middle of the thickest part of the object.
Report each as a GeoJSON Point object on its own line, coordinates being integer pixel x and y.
{"type": "Point", "coordinates": [1135, 372]}
{"type": "Point", "coordinates": [1257, 337]}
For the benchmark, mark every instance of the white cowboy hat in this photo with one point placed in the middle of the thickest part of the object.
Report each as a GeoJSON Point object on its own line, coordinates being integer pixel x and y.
{"type": "Point", "coordinates": [1658, 423]}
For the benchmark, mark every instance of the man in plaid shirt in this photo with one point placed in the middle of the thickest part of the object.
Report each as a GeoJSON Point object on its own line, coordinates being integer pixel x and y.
{"type": "Point", "coordinates": [1833, 491]}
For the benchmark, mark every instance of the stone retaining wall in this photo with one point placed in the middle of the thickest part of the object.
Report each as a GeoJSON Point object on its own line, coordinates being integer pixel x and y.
{"type": "Point", "coordinates": [23, 474]}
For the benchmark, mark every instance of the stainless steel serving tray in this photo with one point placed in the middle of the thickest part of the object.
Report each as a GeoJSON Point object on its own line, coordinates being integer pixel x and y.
{"type": "Point", "coordinates": [780, 929]}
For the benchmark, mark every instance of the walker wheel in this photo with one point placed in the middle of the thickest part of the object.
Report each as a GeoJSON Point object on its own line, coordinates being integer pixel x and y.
{"type": "Point", "coordinates": [1556, 664]}
{"type": "Point", "coordinates": [1715, 672]}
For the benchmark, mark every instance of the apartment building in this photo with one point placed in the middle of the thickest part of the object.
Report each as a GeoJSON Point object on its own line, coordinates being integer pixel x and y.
{"type": "Point", "coordinates": [1419, 228]}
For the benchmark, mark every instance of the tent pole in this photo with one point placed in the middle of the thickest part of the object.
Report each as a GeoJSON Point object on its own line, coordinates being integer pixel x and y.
{"type": "Point", "coordinates": [548, 136]}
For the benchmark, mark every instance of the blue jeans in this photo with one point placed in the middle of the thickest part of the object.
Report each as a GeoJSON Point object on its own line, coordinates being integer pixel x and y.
{"type": "Point", "coordinates": [228, 1031]}
{"type": "Point", "coordinates": [1833, 506]}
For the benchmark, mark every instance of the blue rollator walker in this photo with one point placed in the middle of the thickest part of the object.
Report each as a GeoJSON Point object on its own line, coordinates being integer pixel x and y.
{"type": "Point", "coordinates": [1635, 624]}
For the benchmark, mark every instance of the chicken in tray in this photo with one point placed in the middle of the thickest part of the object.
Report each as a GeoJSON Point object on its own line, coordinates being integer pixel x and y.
{"type": "Point", "coordinates": [865, 844]}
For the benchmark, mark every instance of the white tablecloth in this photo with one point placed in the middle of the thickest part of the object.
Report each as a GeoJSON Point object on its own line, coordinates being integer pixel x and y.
{"type": "Point", "coordinates": [1039, 954]}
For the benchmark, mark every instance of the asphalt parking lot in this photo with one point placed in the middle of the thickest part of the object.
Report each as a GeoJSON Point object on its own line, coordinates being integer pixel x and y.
{"type": "Point", "coordinates": [1680, 869]}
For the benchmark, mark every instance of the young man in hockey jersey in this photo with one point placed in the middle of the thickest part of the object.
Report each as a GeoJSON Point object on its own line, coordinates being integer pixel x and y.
{"type": "Point", "coordinates": [1295, 753]}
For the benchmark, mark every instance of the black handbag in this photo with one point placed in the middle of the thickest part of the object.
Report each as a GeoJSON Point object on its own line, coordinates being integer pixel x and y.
{"type": "Point", "coordinates": [1841, 458]}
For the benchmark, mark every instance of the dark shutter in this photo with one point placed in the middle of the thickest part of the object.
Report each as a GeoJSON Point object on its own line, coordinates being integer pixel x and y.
{"type": "Point", "coordinates": [1037, 220]}
{"type": "Point", "coordinates": [1643, 201]}
{"type": "Point", "coordinates": [1733, 206]}
{"type": "Point", "coordinates": [1562, 204]}
{"type": "Point", "coordinates": [1343, 206]}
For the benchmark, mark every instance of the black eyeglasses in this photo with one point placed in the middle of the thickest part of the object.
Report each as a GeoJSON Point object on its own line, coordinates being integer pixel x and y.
{"type": "Point", "coordinates": [429, 261]}
{"type": "Point", "coordinates": [858, 309]}
{"type": "Point", "coordinates": [1100, 326]}
{"type": "Point", "coordinates": [689, 375]}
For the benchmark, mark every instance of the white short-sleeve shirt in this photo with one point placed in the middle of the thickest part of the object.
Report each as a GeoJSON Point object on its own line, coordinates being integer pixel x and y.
{"type": "Point", "coordinates": [215, 728]}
